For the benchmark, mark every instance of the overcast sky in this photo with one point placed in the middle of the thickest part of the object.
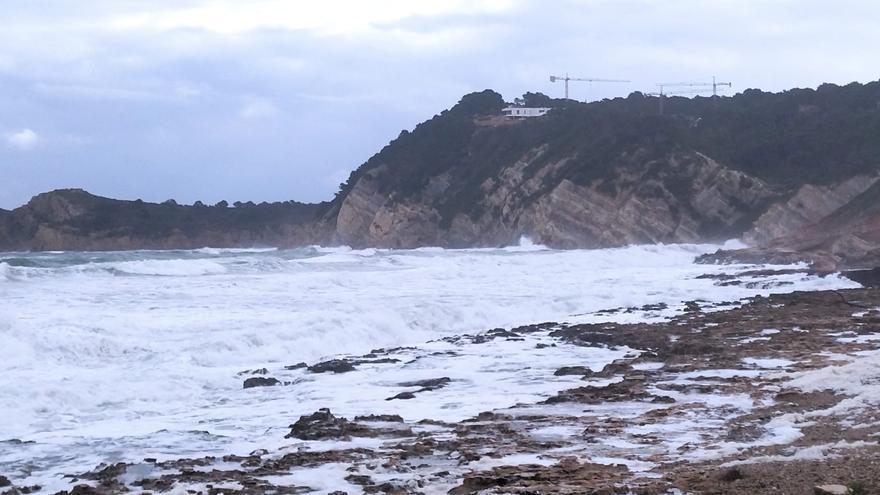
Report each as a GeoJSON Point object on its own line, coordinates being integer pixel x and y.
{"type": "Point", "coordinates": [274, 100]}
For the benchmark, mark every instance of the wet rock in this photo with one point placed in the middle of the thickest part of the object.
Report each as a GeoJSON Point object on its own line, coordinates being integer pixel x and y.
{"type": "Point", "coordinates": [385, 418]}
{"type": "Point", "coordinates": [378, 361]}
{"type": "Point", "coordinates": [488, 416]}
{"type": "Point", "coordinates": [260, 381]}
{"type": "Point", "coordinates": [744, 433]}
{"type": "Point", "coordinates": [693, 348]}
{"type": "Point", "coordinates": [429, 384]}
{"type": "Point", "coordinates": [261, 371]}
{"type": "Point", "coordinates": [691, 307]}
{"type": "Point", "coordinates": [387, 488]}
{"type": "Point", "coordinates": [83, 490]}
{"type": "Point", "coordinates": [663, 399]}
{"type": "Point", "coordinates": [390, 350]}
{"type": "Point", "coordinates": [482, 339]}
{"type": "Point", "coordinates": [615, 368]}
{"type": "Point", "coordinates": [333, 365]}
{"type": "Point", "coordinates": [626, 390]}
{"type": "Point", "coordinates": [654, 307]}
{"type": "Point", "coordinates": [403, 396]}
{"type": "Point", "coordinates": [359, 479]}
{"type": "Point", "coordinates": [731, 475]}
{"type": "Point", "coordinates": [868, 278]}
{"type": "Point", "coordinates": [568, 476]}
{"type": "Point", "coordinates": [296, 366]}
{"type": "Point", "coordinates": [538, 327]}
{"type": "Point", "coordinates": [105, 472]}
{"type": "Point", "coordinates": [573, 370]}
{"type": "Point", "coordinates": [4, 481]}
{"type": "Point", "coordinates": [426, 386]}
{"type": "Point", "coordinates": [500, 332]}
{"type": "Point", "coordinates": [322, 425]}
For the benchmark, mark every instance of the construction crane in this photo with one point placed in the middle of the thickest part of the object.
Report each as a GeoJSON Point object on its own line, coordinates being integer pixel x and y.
{"type": "Point", "coordinates": [566, 79]}
{"type": "Point", "coordinates": [662, 94]}
{"type": "Point", "coordinates": [714, 84]}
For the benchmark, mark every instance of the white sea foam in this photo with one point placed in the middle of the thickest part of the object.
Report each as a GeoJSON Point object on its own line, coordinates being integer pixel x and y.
{"type": "Point", "coordinates": [111, 356]}
{"type": "Point", "coordinates": [221, 251]}
{"type": "Point", "coordinates": [170, 268]}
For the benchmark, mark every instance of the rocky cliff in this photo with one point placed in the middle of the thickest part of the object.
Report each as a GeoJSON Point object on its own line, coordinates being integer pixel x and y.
{"type": "Point", "coordinates": [776, 169]}
{"type": "Point", "coordinates": [757, 165]}
{"type": "Point", "coordinates": [845, 235]}
{"type": "Point", "coordinates": [72, 219]}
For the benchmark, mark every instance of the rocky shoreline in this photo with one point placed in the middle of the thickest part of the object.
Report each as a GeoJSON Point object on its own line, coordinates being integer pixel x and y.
{"type": "Point", "coordinates": [776, 394]}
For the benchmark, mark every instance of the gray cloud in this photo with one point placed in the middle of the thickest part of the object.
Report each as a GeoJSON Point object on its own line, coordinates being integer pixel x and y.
{"type": "Point", "coordinates": [147, 99]}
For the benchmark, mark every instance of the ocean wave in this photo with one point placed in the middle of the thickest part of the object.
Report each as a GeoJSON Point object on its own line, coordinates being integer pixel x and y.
{"type": "Point", "coordinates": [210, 251]}
{"type": "Point", "coordinates": [168, 268]}
{"type": "Point", "coordinates": [526, 245]}
{"type": "Point", "coordinates": [95, 340]}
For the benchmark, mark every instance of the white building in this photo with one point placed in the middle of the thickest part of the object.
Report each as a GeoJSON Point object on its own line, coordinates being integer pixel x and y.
{"type": "Point", "coordinates": [525, 111]}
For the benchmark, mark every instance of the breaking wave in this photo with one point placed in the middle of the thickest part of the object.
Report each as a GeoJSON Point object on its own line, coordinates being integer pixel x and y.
{"type": "Point", "coordinates": [103, 347]}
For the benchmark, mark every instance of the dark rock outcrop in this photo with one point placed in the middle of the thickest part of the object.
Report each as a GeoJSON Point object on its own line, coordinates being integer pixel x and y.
{"type": "Point", "coordinates": [332, 366]}
{"type": "Point", "coordinates": [323, 425]}
{"type": "Point", "coordinates": [260, 381]}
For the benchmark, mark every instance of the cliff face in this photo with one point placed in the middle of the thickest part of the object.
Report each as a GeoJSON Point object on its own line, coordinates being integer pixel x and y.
{"type": "Point", "coordinates": [678, 197]}
{"type": "Point", "coordinates": [810, 204]}
{"type": "Point", "coordinates": [844, 237]}
{"type": "Point", "coordinates": [774, 169]}
{"type": "Point", "coordinates": [758, 166]}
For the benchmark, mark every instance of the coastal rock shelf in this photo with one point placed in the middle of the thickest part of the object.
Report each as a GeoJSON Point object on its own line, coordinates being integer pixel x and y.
{"type": "Point", "coordinates": [778, 394]}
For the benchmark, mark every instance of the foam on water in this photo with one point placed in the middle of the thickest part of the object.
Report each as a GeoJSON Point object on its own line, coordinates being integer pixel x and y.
{"type": "Point", "coordinates": [108, 356]}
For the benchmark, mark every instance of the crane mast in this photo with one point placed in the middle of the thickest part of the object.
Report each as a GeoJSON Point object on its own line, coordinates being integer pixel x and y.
{"type": "Point", "coordinates": [565, 79]}
{"type": "Point", "coordinates": [714, 85]}
{"type": "Point", "coordinates": [695, 88]}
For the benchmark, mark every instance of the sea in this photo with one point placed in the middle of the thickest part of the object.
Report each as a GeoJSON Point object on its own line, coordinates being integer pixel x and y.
{"type": "Point", "coordinates": [120, 356]}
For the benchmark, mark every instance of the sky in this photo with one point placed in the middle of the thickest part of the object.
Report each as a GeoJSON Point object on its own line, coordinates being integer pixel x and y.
{"type": "Point", "coordinates": [271, 100]}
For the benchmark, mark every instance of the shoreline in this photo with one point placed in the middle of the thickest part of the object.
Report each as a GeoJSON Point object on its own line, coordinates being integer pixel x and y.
{"type": "Point", "coordinates": [727, 401]}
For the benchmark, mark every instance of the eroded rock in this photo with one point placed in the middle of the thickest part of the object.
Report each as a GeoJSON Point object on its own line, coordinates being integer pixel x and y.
{"type": "Point", "coordinates": [261, 381]}
{"type": "Point", "coordinates": [332, 366]}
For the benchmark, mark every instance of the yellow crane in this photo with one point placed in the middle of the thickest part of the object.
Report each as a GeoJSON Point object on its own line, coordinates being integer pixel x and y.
{"type": "Point", "coordinates": [565, 79]}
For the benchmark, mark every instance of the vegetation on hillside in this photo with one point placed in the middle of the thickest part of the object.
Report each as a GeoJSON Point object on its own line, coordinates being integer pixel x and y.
{"type": "Point", "coordinates": [156, 220]}
{"type": "Point", "coordinates": [789, 138]}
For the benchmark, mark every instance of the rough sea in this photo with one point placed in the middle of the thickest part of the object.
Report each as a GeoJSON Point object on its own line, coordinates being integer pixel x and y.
{"type": "Point", "coordinates": [120, 356]}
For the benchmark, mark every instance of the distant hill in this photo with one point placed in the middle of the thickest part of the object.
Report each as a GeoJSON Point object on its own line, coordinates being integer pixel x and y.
{"type": "Point", "coordinates": [762, 166]}
{"type": "Point", "coordinates": [72, 219]}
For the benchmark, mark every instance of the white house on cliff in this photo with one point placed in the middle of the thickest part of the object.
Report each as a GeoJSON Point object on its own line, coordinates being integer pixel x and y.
{"type": "Point", "coordinates": [525, 111]}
